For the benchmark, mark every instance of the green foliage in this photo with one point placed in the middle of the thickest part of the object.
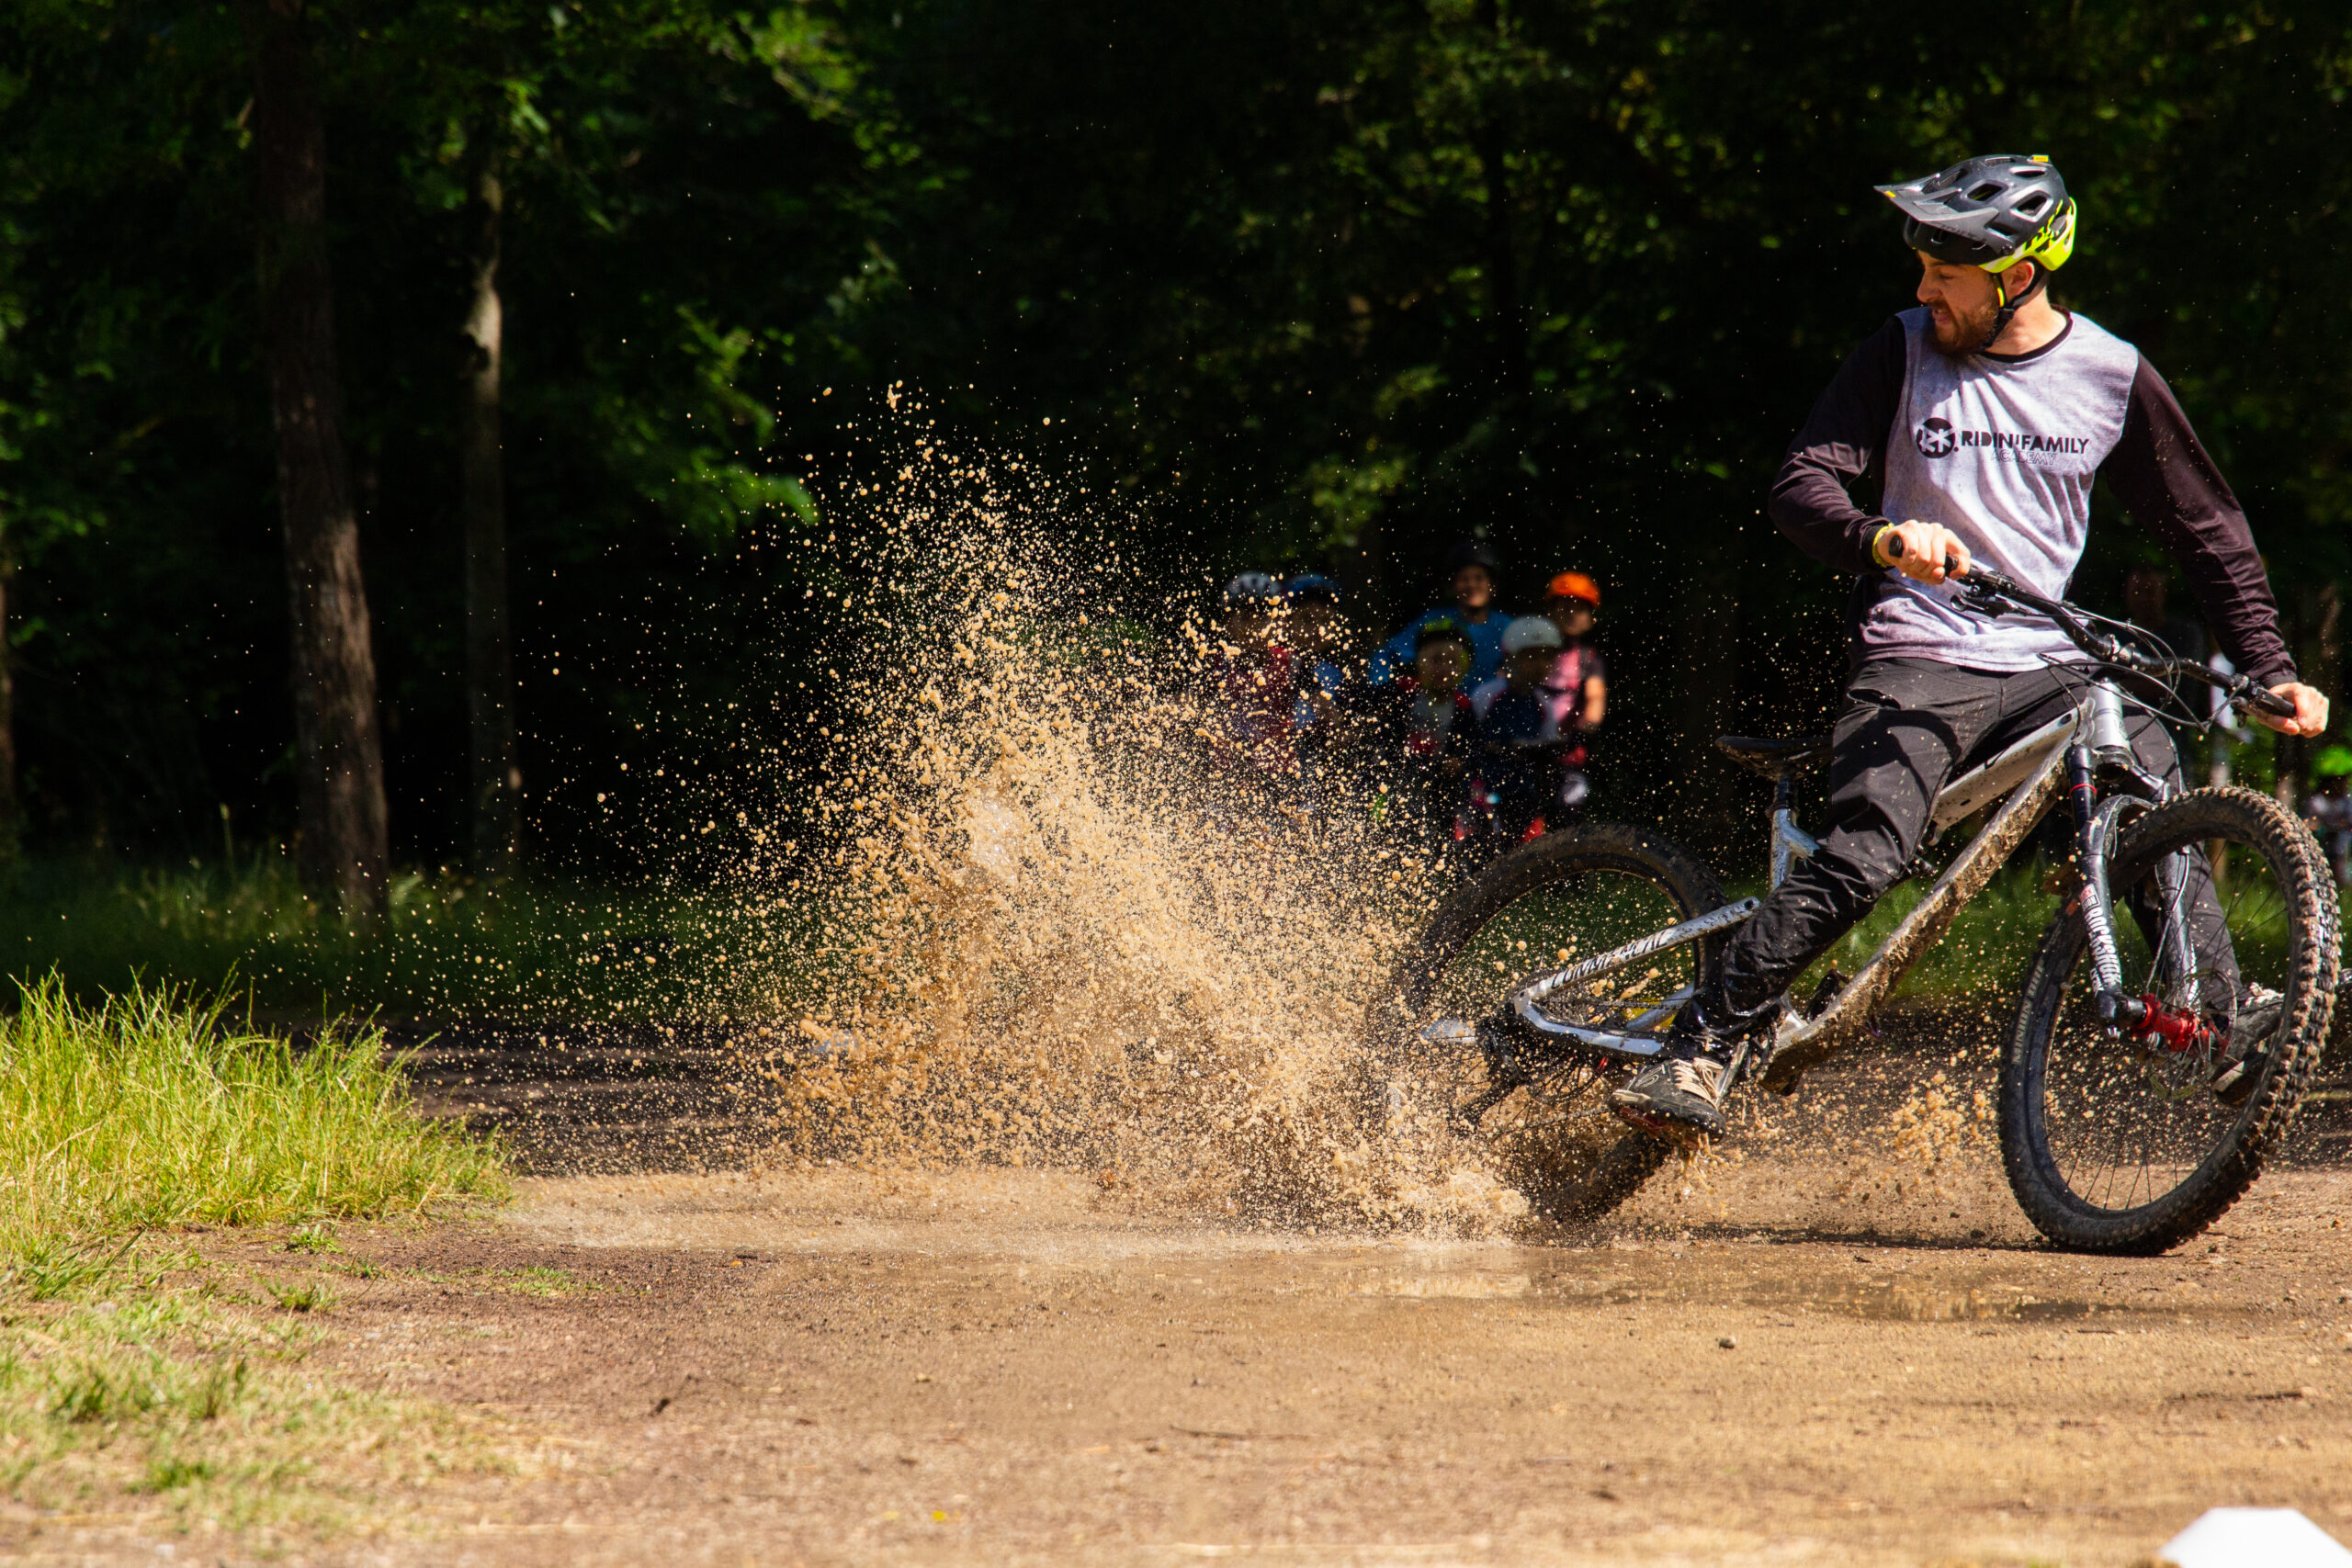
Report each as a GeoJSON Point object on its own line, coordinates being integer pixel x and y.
{"type": "Point", "coordinates": [1326, 284]}
{"type": "Point", "coordinates": [118, 1374]}
{"type": "Point", "coordinates": [451, 947]}
{"type": "Point", "coordinates": [207, 1413]}
{"type": "Point", "coordinates": [149, 1109]}
{"type": "Point", "coordinates": [302, 1295]}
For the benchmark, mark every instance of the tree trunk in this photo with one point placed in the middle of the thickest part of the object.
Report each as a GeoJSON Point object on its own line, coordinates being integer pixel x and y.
{"type": "Point", "coordinates": [11, 809]}
{"type": "Point", "coordinates": [341, 844]}
{"type": "Point", "coordinates": [490, 660]}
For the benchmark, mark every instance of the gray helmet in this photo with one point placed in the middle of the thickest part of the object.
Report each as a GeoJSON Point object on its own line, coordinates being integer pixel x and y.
{"type": "Point", "coordinates": [1990, 212]}
{"type": "Point", "coordinates": [1252, 588]}
{"type": "Point", "coordinates": [1473, 552]}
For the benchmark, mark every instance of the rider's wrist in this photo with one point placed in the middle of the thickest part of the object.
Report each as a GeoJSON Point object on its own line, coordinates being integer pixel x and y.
{"type": "Point", "coordinates": [1878, 543]}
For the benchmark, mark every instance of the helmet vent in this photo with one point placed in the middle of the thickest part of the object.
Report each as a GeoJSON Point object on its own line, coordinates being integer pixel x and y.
{"type": "Point", "coordinates": [1984, 192]}
{"type": "Point", "coordinates": [2033, 203]}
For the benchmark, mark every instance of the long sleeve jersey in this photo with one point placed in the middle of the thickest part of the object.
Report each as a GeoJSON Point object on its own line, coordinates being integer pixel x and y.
{"type": "Point", "coordinates": [2004, 450]}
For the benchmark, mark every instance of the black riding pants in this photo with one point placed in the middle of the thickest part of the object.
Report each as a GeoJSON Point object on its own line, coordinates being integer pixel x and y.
{"type": "Point", "coordinates": [1910, 727]}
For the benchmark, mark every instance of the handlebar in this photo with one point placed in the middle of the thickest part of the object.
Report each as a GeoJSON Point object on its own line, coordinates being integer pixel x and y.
{"type": "Point", "coordinates": [1982, 589]}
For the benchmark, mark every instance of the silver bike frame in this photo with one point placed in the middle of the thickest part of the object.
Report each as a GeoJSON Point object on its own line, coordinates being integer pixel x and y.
{"type": "Point", "coordinates": [2029, 773]}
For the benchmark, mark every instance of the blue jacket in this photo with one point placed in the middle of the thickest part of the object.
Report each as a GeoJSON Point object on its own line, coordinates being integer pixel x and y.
{"type": "Point", "coordinates": [1396, 655]}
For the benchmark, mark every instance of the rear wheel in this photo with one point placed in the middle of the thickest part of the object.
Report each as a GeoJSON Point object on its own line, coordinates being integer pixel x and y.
{"type": "Point", "coordinates": [1575, 893]}
{"type": "Point", "coordinates": [2134, 1145]}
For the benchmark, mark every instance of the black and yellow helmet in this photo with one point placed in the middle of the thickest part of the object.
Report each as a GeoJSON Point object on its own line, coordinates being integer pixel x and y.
{"type": "Point", "coordinates": [1990, 212]}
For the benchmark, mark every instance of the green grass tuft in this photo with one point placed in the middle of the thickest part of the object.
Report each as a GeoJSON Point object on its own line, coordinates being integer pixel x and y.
{"type": "Point", "coordinates": [119, 1374]}
{"type": "Point", "coordinates": [304, 1295]}
{"type": "Point", "coordinates": [149, 1109]}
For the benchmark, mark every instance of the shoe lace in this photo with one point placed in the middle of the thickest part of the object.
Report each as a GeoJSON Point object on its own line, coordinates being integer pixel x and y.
{"type": "Point", "coordinates": [1702, 1076]}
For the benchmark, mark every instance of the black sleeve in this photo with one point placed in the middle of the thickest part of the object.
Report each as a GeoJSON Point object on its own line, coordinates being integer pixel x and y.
{"type": "Point", "coordinates": [2165, 476]}
{"type": "Point", "coordinates": [1843, 436]}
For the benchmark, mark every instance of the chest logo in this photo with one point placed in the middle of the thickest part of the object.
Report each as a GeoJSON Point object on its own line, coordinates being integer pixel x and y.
{"type": "Point", "coordinates": [1937, 438]}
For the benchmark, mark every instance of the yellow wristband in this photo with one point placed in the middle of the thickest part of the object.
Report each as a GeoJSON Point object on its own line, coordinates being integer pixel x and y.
{"type": "Point", "coordinates": [1878, 542]}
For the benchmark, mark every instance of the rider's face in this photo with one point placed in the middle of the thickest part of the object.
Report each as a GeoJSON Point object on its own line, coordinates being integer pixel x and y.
{"type": "Point", "coordinates": [1960, 302]}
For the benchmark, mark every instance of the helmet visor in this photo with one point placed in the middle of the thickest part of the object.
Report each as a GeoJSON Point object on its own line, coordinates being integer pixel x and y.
{"type": "Point", "coordinates": [1959, 250]}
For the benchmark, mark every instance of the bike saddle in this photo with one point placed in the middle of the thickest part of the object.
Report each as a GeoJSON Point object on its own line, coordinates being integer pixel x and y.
{"type": "Point", "coordinates": [1777, 759]}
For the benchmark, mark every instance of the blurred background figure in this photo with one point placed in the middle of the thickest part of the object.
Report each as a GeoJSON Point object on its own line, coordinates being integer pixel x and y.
{"type": "Point", "coordinates": [1474, 570]}
{"type": "Point", "coordinates": [1253, 680]}
{"type": "Point", "coordinates": [2147, 595]}
{"type": "Point", "coordinates": [1318, 635]}
{"type": "Point", "coordinates": [2147, 591]}
{"type": "Point", "coordinates": [1515, 792]}
{"type": "Point", "coordinates": [1577, 686]}
{"type": "Point", "coordinates": [1422, 726]}
{"type": "Point", "coordinates": [2329, 808]}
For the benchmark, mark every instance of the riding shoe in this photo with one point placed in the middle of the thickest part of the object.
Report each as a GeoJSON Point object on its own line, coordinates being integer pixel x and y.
{"type": "Point", "coordinates": [1682, 1088]}
{"type": "Point", "coordinates": [2259, 1012]}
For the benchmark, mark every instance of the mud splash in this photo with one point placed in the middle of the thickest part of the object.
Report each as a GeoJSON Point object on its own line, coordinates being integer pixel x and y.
{"type": "Point", "coordinates": [1049, 907]}
{"type": "Point", "coordinates": [1068, 918]}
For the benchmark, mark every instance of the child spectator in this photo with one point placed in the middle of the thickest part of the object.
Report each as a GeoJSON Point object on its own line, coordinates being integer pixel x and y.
{"type": "Point", "coordinates": [1255, 682]}
{"type": "Point", "coordinates": [1518, 788]}
{"type": "Point", "coordinates": [1424, 726]}
{"type": "Point", "coordinates": [1577, 685]}
{"type": "Point", "coordinates": [1474, 568]}
{"type": "Point", "coordinates": [1319, 635]}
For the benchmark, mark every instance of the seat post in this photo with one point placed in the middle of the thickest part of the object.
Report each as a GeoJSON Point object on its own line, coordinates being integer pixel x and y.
{"type": "Point", "coordinates": [1784, 817]}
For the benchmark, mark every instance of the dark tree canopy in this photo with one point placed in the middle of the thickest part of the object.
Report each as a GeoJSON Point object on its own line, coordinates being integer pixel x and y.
{"type": "Point", "coordinates": [1311, 284]}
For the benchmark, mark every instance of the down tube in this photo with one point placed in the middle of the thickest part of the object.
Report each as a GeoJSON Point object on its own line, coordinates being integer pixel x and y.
{"type": "Point", "coordinates": [1812, 1043]}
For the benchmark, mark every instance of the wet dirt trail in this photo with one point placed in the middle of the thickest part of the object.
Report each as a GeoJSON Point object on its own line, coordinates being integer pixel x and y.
{"type": "Point", "coordinates": [999, 1366]}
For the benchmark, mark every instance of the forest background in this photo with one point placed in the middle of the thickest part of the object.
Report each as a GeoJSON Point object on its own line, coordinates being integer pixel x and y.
{"type": "Point", "coordinates": [600, 284]}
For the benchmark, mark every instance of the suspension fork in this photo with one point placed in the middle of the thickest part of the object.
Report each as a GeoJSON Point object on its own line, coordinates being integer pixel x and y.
{"type": "Point", "coordinates": [2091, 827]}
{"type": "Point", "coordinates": [2180, 959]}
{"type": "Point", "coordinates": [2096, 826]}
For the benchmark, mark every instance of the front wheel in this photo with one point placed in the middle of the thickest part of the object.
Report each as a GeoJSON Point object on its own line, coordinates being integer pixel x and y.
{"type": "Point", "coordinates": [2131, 1139]}
{"type": "Point", "coordinates": [1578, 892]}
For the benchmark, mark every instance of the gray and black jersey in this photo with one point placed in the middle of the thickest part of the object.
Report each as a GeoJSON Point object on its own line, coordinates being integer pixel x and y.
{"type": "Point", "coordinates": [2003, 449]}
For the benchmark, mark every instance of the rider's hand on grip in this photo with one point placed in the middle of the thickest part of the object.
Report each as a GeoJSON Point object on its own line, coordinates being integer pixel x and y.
{"type": "Point", "coordinates": [1925, 552]}
{"type": "Point", "coordinates": [2292, 709]}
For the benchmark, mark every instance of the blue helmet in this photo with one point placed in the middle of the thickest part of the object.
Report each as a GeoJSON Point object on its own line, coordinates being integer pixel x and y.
{"type": "Point", "coordinates": [1312, 587]}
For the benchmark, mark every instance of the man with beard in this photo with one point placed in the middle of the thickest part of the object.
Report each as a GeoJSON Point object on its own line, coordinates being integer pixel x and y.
{"type": "Point", "coordinates": [1985, 416]}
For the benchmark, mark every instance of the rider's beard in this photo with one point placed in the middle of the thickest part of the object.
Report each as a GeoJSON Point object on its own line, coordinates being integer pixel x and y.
{"type": "Point", "coordinates": [1957, 335]}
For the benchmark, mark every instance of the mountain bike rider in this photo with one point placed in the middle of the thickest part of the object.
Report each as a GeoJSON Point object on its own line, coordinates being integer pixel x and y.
{"type": "Point", "coordinates": [1986, 415]}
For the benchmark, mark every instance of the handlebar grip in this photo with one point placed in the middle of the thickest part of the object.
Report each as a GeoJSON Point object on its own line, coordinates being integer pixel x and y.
{"type": "Point", "coordinates": [2270, 702]}
{"type": "Point", "coordinates": [1951, 563]}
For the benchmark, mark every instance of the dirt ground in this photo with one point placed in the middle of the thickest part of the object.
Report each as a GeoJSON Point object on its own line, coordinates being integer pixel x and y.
{"type": "Point", "coordinates": [1007, 1367]}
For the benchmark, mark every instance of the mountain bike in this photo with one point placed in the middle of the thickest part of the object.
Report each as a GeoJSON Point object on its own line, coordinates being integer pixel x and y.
{"type": "Point", "coordinates": [2153, 1062]}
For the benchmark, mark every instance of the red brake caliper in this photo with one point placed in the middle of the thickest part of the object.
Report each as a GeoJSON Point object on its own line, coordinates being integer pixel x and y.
{"type": "Point", "coordinates": [2176, 1031]}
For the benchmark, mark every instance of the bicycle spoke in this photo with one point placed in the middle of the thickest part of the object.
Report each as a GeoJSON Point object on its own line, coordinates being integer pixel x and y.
{"type": "Point", "coordinates": [2128, 1120]}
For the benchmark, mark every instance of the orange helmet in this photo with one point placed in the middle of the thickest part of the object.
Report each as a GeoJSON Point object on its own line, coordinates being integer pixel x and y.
{"type": "Point", "coordinates": [1575, 585]}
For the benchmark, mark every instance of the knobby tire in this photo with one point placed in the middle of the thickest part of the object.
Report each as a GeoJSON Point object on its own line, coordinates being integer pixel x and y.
{"type": "Point", "coordinates": [1565, 1179]}
{"type": "Point", "coordinates": [2248, 822]}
